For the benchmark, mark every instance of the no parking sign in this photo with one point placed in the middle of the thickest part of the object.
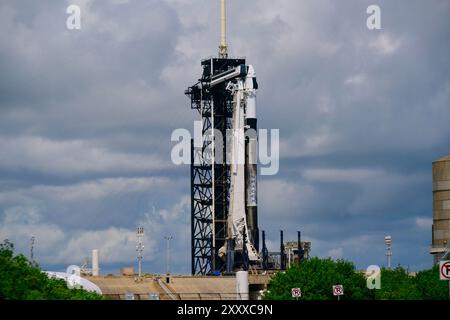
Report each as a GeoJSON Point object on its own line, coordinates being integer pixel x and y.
{"type": "Point", "coordinates": [444, 270]}
{"type": "Point", "coordinates": [296, 293]}
{"type": "Point", "coordinates": [338, 290]}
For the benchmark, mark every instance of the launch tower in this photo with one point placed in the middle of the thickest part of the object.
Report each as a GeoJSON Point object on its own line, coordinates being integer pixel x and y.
{"type": "Point", "coordinates": [224, 226]}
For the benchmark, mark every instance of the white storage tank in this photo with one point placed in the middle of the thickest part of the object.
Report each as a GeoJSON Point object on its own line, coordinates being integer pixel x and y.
{"type": "Point", "coordinates": [95, 265]}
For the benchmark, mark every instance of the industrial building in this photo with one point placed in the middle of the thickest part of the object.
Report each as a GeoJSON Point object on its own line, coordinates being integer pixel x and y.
{"type": "Point", "coordinates": [441, 207]}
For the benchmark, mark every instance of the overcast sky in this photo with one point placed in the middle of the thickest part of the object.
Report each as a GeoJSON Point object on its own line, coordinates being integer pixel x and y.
{"type": "Point", "coordinates": [86, 118]}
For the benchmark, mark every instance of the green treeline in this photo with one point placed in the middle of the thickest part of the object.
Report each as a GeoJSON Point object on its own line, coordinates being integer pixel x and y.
{"type": "Point", "coordinates": [21, 279]}
{"type": "Point", "coordinates": [315, 278]}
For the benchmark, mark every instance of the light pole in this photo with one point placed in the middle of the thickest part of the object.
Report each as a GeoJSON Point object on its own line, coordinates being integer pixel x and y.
{"type": "Point", "coordinates": [388, 242]}
{"type": "Point", "coordinates": [32, 249]}
{"type": "Point", "coordinates": [168, 238]}
{"type": "Point", "coordinates": [140, 249]}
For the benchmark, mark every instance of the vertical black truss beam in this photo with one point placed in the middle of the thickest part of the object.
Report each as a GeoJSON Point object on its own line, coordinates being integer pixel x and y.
{"type": "Point", "coordinates": [192, 209]}
{"type": "Point", "coordinates": [265, 252]}
{"type": "Point", "coordinates": [201, 190]}
{"type": "Point", "coordinates": [300, 248]}
{"type": "Point", "coordinates": [282, 252]}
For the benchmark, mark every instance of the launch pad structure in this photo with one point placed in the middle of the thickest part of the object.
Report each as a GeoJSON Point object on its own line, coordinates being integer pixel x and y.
{"type": "Point", "coordinates": [224, 216]}
{"type": "Point", "coordinates": [210, 180]}
{"type": "Point", "coordinates": [213, 179]}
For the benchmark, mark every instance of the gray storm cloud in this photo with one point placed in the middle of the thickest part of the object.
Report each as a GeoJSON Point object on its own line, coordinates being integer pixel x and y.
{"type": "Point", "coordinates": [86, 118]}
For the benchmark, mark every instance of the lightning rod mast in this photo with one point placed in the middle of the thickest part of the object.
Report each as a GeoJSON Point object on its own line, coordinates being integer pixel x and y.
{"type": "Point", "coordinates": [223, 46]}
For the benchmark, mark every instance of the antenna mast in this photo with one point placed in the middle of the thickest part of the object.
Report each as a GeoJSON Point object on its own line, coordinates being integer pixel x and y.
{"type": "Point", "coordinates": [32, 248]}
{"type": "Point", "coordinates": [140, 250]}
{"type": "Point", "coordinates": [223, 46]}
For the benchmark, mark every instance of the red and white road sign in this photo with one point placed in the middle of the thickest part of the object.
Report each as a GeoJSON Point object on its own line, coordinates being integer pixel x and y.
{"type": "Point", "coordinates": [444, 270]}
{"type": "Point", "coordinates": [338, 290]}
{"type": "Point", "coordinates": [296, 292]}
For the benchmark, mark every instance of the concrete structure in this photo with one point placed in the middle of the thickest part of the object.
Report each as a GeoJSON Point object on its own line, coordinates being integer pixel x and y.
{"type": "Point", "coordinates": [179, 287]}
{"type": "Point", "coordinates": [441, 207]}
{"type": "Point", "coordinates": [203, 288]}
{"type": "Point", "coordinates": [117, 287]}
{"type": "Point", "coordinates": [127, 271]}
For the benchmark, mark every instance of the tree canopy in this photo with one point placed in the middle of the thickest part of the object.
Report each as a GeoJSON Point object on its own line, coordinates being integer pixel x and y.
{"type": "Point", "coordinates": [315, 278]}
{"type": "Point", "coordinates": [21, 279]}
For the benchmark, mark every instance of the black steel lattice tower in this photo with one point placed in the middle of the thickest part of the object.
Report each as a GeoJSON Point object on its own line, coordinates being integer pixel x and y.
{"type": "Point", "coordinates": [210, 183]}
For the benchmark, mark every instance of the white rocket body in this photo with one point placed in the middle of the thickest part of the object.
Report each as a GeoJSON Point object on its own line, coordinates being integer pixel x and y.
{"type": "Point", "coordinates": [250, 90]}
{"type": "Point", "coordinates": [251, 155]}
{"type": "Point", "coordinates": [243, 186]}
